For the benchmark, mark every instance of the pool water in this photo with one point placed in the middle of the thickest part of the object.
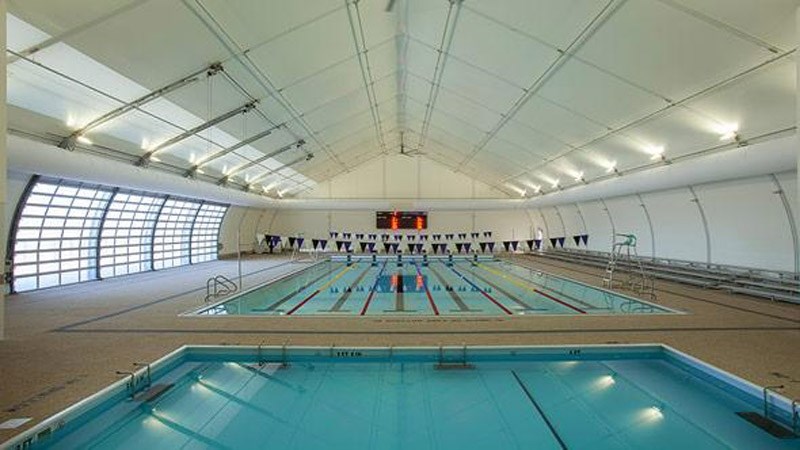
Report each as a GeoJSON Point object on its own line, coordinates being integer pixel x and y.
{"type": "Point", "coordinates": [604, 401]}
{"type": "Point", "coordinates": [436, 287]}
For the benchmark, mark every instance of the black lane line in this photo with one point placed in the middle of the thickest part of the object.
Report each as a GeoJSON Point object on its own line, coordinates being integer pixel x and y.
{"type": "Point", "coordinates": [511, 296]}
{"type": "Point", "coordinates": [539, 409]}
{"type": "Point", "coordinates": [291, 295]}
{"type": "Point", "coordinates": [337, 307]}
{"type": "Point", "coordinates": [462, 307]}
{"type": "Point", "coordinates": [399, 297]}
{"type": "Point", "coordinates": [167, 298]}
{"type": "Point", "coordinates": [424, 332]}
{"type": "Point", "coordinates": [679, 294]}
{"type": "Point", "coordinates": [554, 291]}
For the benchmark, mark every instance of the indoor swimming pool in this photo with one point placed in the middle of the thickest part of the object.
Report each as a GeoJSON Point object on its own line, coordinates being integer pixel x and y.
{"type": "Point", "coordinates": [436, 286]}
{"type": "Point", "coordinates": [589, 397]}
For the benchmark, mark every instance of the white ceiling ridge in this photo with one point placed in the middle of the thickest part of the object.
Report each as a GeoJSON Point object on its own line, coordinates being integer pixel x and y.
{"type": "Point", "coordinates": [448, 32]}
{"type": "Point", "coordinates": [586, 33]}
{"type": "Point", "coordinates": [356, 114]}
{"type": "Point", "coordinates": [655, 114]}
{"type": "Point", "coordinates": [362, 52]}
{"type": "Point", "coordinates": [182, 130]}
{"type": "Point", "coordinates": [762, 158]}
{"type": "Point", "coordinates": [716, 23]}
{"type": "Point", "coordinates": [401, 54]}
{"type": "Point", "coordinates": [52, 40]}
{"type": "Point", "coordinates": [243, 58]}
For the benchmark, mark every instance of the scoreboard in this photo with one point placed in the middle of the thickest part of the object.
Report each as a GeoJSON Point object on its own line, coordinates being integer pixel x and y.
{"type": "Point", "coordinates": [401, 220]}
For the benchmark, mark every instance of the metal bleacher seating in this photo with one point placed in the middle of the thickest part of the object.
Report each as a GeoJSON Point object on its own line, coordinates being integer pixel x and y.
{"type": "Point", "coordinates": [771, 284]}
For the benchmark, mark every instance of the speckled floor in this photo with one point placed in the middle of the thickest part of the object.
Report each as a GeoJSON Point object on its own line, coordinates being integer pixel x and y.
{"type": "Point", "coordinates": [66, 343]}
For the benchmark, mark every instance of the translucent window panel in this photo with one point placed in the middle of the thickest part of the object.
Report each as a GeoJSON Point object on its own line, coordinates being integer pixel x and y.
{"type": "Point", "coordinates": [48, 249]}
{"type": "Point", "coordinates": [206, 232]}
{"type": "Point", "coordinates": [171, 242]}
{"type": "Point", "coordinates": [127, 236]}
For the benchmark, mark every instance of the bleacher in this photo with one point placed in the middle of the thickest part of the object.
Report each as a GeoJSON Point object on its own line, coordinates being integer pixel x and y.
{"type": "Point", "coordinates": [771, 284]}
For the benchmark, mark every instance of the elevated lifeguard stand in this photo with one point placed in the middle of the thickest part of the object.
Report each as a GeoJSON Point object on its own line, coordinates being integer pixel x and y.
{"type": "Point", "coordinates": [637, 280]}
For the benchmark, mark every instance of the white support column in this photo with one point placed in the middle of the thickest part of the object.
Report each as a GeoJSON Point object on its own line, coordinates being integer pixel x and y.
{"type": "Point", "coordinates": [796, 208]}
{"type": "Point", "coordinates": [3, 171]}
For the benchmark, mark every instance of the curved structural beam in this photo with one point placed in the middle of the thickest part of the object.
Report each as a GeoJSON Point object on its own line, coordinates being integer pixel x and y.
{"type": "Point", "coordinates": [696, 201]}
{"type": "Point", "coordinates": [649, 225]}
{"type": "Point", "coordinates": [790, 219]}
{"type": "Point", "coordinates": [561, 219]}
{"type": "Point", "coordinates": [583, 220]}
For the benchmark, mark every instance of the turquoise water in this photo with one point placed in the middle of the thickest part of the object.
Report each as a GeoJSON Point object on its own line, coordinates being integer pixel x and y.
{"type": "Point", "coordinates": [616, 402]}
{"type": "Point", "coordinates": [438, 288]}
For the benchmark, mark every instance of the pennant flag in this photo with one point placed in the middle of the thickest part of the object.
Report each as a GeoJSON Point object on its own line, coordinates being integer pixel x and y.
{"type": "Point", "coordinates": [334, 234]}
{"type": "Point", "coordinates": [475, 235]}
{"type": "Point", "coordinates": [395, 247]}
{"type": "Point", "coordinates": [386, 247]}
{"type": "Point", "coordinates": [537, 243]}
{"type": "Point", "coordinates": [398, 237]}
{"type": "Point", "coordinates": [530, 244]}
{"type": "Point", "coordinates": [577, 239]}
{"type": "Point", "coordinates": [419, 248]}
{"type": "Point", "coordinates": [348, 246]}
{"type": "Point", "coordinates": [553, 242]}
{"type": "Point", "coordinates": [345, 235]}
{"type": "Point", "coordinates": [462, 235]}
{"type": "Point", "coordinates": [483, 246]}
{"type": "Point", "coordinates": [410, 237]}
{"type": "Point", "coordinates": [372, 237]}
{"type": "Point", "coordinates": [506, 244]}
{"type": "Point", "coordinates": [437, 237]}
{"type": "Point", "coordinates": [459, 246]}
{"type": "Point", "coordinates": [561, 242]}
{"type": "Point", "coordinates": [423, 237]}
{"type": "Point", "coordinates": [514, 245]}
{"type": "Point", "coordinates": [300, 242]}
{"type": "Point", "coordinates": [487, 234]}
{"type": "Point", "coordinates": [585, 239]}
{"type": "Point", "coordinates": [276, 240]}
{"type": "Point", "coordinates": [435, 248]}
{"type": "Point", "coordinates": [359, 236]}
{"type": "Point", "coordinates": [268, 239]}
{"type": "Point", "coordinates": [449, 237]}
{"type": "Point", "coordinates": [411, 248]}
{"type": "Point", "coordinates": [444, 248]}
{"type": "Point", "coordinates": [491, 247]}
{"type": "Point", "coordinates": [467, 245]}
{"type": "Point", "coordinates": [315, 243]}
{"type": "Point", "coordinates": [385, 237]}
{"type": "Point", "coordinates": [363, 246]}
{"type": "Point", "coordinates": [339, 245]}
{"type": "Point", "coordinates": [371, 246]}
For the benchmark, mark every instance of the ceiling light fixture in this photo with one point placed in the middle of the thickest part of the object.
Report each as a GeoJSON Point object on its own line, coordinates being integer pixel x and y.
{"type": "Point", "coordinates": [579, 177]}
{"type": "Point", "coordinates": [83, 140]}
{"type": "Point", "coordinates": [555, 184]}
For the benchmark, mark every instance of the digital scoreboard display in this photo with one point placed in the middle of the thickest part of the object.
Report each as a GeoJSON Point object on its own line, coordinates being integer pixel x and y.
{"type": "Point", "coordinates": [401, 220]}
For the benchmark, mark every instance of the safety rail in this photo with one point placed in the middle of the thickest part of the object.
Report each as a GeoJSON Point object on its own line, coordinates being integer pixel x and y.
{"type": "Point", "coordinates": [774, 285]}
{"type": "Point", "coordinates": [219, 286]}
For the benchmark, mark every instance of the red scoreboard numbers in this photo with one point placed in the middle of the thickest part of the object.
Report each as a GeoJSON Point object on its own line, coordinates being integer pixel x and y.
{"type": "Point", "coordinates": [401, 220]}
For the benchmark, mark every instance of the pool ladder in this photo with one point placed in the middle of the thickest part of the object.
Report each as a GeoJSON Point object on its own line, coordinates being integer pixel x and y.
{"type": "Point", "coordinates": [219, 286]}
{"type": "Point", "coordinates": [444, 364]}
{"type": "Point", "coordinates": [135, 381]}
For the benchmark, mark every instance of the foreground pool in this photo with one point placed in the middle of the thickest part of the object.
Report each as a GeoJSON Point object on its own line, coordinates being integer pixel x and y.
{"type": "Point", "coordinates": [437, 286]}
{"type": "Point", "coordinates": [595, 397]}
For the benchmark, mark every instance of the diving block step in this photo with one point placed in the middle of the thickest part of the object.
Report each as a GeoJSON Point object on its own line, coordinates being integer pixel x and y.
{"type": "Point", "coordinates": [153, 392]}
{"type": "Point", "coordinates": [770, 426]}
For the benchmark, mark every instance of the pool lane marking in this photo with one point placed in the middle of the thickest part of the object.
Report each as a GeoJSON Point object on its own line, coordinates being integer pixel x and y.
{"type": "Point", "coordinates": [427, 292]}
{"type": "Point", "coordinates": [539, 409]}
{"type": "Point", "coordinates": [456, 299]}
{"type": "Point", "coordinates": [511, 296]}
{"type": "Point", "coordinates": [291, 295]}
{"type": "Point", "coordinates": [337, 307]}
{"type": "Point", "coordinates": [580, 302]}
{"type": "Point", "coordinates": [492, 299]}
{"type": "Point", "coordinates": [543, 294]}
{"type": "Point", "coordinates": [319, 289]}
{"type": "Point", "coordinates": [372, 290]}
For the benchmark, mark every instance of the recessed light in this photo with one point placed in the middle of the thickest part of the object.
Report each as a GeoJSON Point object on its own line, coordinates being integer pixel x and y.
{"type": "Point", "coordinates": [84, 140]}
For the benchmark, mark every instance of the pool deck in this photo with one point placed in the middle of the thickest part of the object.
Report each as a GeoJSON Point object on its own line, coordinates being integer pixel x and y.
{"type": "Point", "coordinates": [66, 343]}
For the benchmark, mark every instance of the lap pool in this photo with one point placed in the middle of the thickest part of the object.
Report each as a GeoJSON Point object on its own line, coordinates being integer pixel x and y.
{"type": "Point", "coordinates": [576, 397]}
{"type": "Point", "coordinates": [386, 286]}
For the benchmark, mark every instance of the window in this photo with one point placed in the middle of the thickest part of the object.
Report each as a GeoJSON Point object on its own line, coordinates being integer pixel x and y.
{"type": "Point", "coordinates": [127, 237]}
{"type": "Point", "coordinates": [68, 232]}
{"type": "Point", "coordinates": [205, 233]}
{"type": "Point", "coordinates": [173, 233]}
{"type": "Point", "coordinates": [56, 234]}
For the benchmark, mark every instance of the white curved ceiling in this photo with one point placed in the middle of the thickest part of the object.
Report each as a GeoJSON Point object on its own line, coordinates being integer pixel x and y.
{"type": "Point", "coordinates": [520, 94]}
